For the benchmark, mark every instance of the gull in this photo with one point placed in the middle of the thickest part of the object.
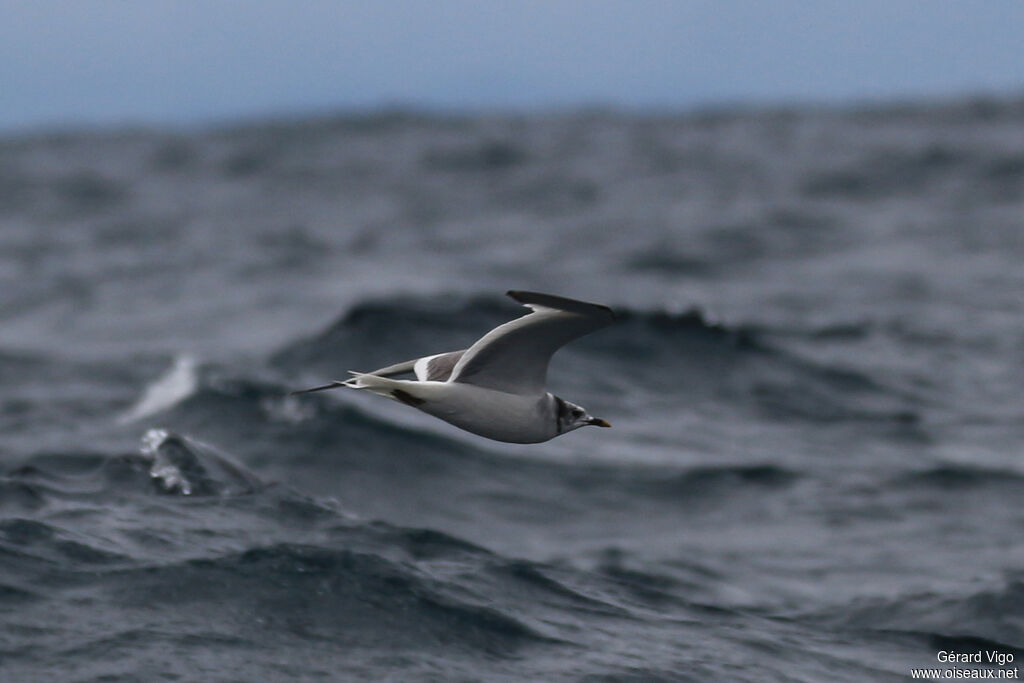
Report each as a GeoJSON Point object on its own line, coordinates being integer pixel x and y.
{"type": "Point", "coordinates": [496, 387]}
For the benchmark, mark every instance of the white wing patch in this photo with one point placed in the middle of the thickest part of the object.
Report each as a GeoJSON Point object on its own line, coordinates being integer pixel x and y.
{"type": "Point", "coordinates": [437, 368]}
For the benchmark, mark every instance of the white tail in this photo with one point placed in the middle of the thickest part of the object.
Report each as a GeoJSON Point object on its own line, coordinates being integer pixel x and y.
{"type": "Point", "coordinates": [395, 389]}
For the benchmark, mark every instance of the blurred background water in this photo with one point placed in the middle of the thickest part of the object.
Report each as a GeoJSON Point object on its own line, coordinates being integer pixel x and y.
{"type": "Point", "coordinates": [815, 385]}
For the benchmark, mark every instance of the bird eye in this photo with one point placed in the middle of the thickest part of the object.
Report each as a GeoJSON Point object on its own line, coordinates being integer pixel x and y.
{"type": "Point", "coordinates": [577, 412]}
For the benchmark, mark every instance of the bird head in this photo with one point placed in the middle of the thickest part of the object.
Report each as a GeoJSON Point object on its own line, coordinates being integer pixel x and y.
{"type": "Point", "coordinates": [572, 416]}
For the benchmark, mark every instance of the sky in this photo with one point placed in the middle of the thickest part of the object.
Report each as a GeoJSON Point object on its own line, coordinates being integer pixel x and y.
{"type": "Point", "coordinates": [111, 62]}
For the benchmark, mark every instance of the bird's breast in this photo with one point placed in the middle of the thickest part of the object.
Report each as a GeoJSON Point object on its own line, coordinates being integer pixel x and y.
{"type": "Point", "coordinates": [496, 415]}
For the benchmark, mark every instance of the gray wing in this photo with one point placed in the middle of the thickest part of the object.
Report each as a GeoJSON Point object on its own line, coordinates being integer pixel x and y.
{"type": "Point", "coordinates": [436, 368]}
{"type": "Point", "coordinates": [514, 357]}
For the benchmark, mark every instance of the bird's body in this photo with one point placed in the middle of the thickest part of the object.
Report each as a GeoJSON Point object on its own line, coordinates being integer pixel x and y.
{"type": "Point", "coordinates": [470, 407]}
{"type": "Point", "coordinates": [495, 388]}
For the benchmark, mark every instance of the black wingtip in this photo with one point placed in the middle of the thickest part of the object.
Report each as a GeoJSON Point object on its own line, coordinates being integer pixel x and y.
{"type": "Point", "coordinates": [559, 302]}
{"type": "Point", "coordinates": [325, 387]}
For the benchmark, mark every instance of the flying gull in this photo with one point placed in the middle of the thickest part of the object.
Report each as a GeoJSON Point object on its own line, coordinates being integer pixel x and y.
{"type": "Point", "coordinates": [496, 387]}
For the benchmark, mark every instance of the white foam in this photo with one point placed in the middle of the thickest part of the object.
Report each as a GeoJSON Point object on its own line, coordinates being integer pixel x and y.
{"type": "Point", "coordinates": [162, 470]}
{"type": "Point", "coordinates": [179, 382]}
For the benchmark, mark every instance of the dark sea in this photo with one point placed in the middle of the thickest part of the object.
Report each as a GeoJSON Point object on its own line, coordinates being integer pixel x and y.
{"type": "Point", "coordinates": [816, 382]}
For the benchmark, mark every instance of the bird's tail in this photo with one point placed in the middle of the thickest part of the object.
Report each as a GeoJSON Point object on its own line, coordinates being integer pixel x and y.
{"type": "Point", "coordinates": [323, 387]}
{"type": "Point", "coordinates": [356, 382]}
{"type": "Point", "coordinates": [395, 389]}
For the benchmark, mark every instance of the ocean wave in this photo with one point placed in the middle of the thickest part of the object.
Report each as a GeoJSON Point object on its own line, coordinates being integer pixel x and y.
{"type": "Point", "coordinates": [347, 578]}
{"type": "Point", "coordinates": [711, 481]}
{"type": "Point", "coordinates": [166, 463]}
{"type": "Point", "coordinates": [31, 547]}
{"type": "Point", "coordinates": [959, 476]}
{"type": "Point", "coordinates": [377, 333]}
{"type": "Point", "coordinates": [529, 583]}
{"type": "Point", "coordinates": [180, 465]}
{"type": "Point", "coordinates": [382, 330]}
{"type": "Point", "coordinates": [20, 495]}
{"type": "Point", "coordinates": [685, 354]}
{"type": "Point", "coordinates": [990, 616]}
{"type": "Point", "coordinates": [486, 156]}
{"type": "Point", "coordinates": [341, 593]}
{"type": "Point", "coordinates": [749, 366]}
{"type": "Point", "coordinates": [892, 172]}
{"type": "Point", "coordinates": [45, 478]}
{"type": "Point", "coordinates": [428, 544]}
